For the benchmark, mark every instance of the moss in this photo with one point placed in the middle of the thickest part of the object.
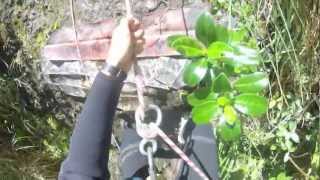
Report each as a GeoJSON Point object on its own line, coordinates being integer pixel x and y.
{"type": "Point", "coordinates": [31, 147]}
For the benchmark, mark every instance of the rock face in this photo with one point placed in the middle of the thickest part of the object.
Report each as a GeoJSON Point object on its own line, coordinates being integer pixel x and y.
{"type": "Point", "coordinates": [72, 66]}
{"type": "Point", "coordinates": [63, 69]}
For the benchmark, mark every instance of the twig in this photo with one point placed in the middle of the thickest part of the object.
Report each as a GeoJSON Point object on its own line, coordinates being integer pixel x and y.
{"type": "Point", "coordinates": [75, 29]}
{"type": "Point", "coordinates": [184, 18]}
{"type": "Point", "coordinates": [298, 168]}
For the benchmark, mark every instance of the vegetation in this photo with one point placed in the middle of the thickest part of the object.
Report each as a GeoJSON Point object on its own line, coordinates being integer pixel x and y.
{"type": "Point", "coordinates": [219, 57]}
{"type": "Point", "coordinates": [282, 144]}
{"type": "Point", "coordinates": [285, 143]}
{"type": "Point", "coordinates": [32, 141]}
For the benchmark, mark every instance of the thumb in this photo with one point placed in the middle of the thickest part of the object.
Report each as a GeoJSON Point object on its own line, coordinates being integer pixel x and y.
{"type": "Point", "coordinates": [124, 24]}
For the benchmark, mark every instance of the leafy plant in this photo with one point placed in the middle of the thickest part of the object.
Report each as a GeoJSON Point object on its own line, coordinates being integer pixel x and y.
{"type": "Point", "coordinates": [224, 75]}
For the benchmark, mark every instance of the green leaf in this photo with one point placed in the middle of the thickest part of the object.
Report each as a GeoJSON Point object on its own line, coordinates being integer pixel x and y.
{"type": "Point", "coordinates": [292, 125]}
{"type": "Point", "coordinates": [223, 101]}
{"type": "Point", "coordinates": [230, 115]}
{"type": "Point", "coordinates": [171, 39]}
{"type": "Point", "coordinates": [205, 112]}
{"type": "Point", "coordinates": [221, 84]}
{"type": "Point", "coordinates": [216, 49]}
{"type": "Point", "coordinates": [200, 96]}
{"type": "Point", "coordinates": [238, 35]}
{"type": "Point", "coordinates": [195, 71]}
{"type": "Point", "coordinates": [187, 46]}
{"type": "Point", "coordinates": [283, 176]}
{"type": "Point", "coordinates": [239, 59]}
{"type": "Point", "coordinates": [252, 83]}
{"type": "Point", "coordinates": [207, 80]}
{"type": "Point", "coordinates": [229, 132]}
{"type": "Point", "coordinates": [207, 32]}
{"type": "Point", "coordinates": [249, 52]}
{"type": "Point", "coordinates": [251, 104]}
{"type": "Point", "coordinates": [222, 34]}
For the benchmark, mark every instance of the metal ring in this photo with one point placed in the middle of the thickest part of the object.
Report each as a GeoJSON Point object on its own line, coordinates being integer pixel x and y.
{"type": "Point", "coordinates": [156, 108]}
{"type": "Point", "coordinates": [147, 142]}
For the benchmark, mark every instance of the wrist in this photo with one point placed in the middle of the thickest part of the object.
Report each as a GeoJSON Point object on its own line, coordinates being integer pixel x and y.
{"type": "Point", "coordinates": [114, 72]}
{"type": "Point", "coordinates": [120, 63]}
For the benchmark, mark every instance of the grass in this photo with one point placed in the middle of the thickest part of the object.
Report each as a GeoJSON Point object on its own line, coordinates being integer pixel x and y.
{"type": "Point", "coordinates": [28, 165]}
{"type": "Point", "coordinates": [288, 34]}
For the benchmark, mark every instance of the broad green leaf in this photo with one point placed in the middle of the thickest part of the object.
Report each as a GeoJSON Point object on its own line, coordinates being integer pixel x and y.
{"type": "Point", "coordinates": [205, 29]}
{"type": "Point", "coordinates": [230, 115]}
{"type": "Point", "coordinates": [249, 52]}
{"type": "Point", "coordinates": [171, 39]}
{"type": "Point", "coordinates": [222, 34]}
{"type": "Point", "coordinates": [229, 132]}
{"type": "Point", "coordinates": [195, 71]}
{"type": "Point", "coordinates": [216, 49]}
{"type": "Point", "coordinates": [207, 32]}
{"type": "Point", "coordinates": [251, 104]}
{"type": "Point", "coordinates": [221, 84]}
{"type": "Point", "coordinates": [205, 112]}
{"type": "Point", "coordinates": [187, 46]}
{"type": "Point", "coordinates": [242, 59]}
{"type": "Point", "coordinates": [201, 96]}
{"type": "Point", "coordinates": [252, 83]}
{"type": "Point", "coordinates": [228, 67]}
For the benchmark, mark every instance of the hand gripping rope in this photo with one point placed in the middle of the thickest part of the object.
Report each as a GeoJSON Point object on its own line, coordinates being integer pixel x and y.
{"type": "Point", "coordinates": [148, 132]}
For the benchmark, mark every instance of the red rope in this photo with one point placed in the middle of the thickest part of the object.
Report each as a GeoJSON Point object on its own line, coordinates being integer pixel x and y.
{"type": "Point", "coordinates": [180, 152]}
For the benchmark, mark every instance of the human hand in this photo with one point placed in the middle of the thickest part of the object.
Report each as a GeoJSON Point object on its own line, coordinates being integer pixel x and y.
{"type": "Point", "coordinates": [127, 42]}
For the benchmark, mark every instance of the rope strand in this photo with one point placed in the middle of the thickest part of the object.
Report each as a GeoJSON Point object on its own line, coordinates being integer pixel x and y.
{"type": "Point", "coordinates": [183, 156]}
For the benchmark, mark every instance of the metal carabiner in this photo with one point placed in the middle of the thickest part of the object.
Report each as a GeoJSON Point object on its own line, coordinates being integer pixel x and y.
{"type": "Point", "coordinates": [147, 143]}
{"type": "Point", "coordinates": [145, 130]}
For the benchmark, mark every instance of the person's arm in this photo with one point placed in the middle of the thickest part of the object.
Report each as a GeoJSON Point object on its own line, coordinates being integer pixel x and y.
{"type": "Point", "coordinates": [90, 141]}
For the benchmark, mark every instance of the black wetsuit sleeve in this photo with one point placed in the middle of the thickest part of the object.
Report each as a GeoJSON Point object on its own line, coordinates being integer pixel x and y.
{"type": "Point", "coordinates": [90, 141]}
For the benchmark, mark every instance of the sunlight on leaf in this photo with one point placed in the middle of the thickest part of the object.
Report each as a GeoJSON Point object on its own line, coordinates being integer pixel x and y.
{"type": "Point", "coordinates": [217, 49]}
{"type": "Point", "coordinates": [252, 83]}
{"type": "Point", "coordinates": [187, 46]}
{"type": "Point", "coordinates": [242, 59]}
{"type": "Point", "coordinates": [251, 104]}
{"type": "Point", "coordinates": [195, 72]}
{"type": "Point", "coordinates": [230, 115]}
{"type": "Point", "coordinates": [223, 101]}
{"type": "Point", "coordinates": [205, 112]}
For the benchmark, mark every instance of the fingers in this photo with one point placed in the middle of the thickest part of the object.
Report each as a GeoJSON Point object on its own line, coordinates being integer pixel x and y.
{"type": "Point", "coordinates": [133, 27]}
{"type": "Point", "coordinates": [134, 24]}
{"type": "Point", "coordinates": [123, 27]}
{"type": "Point", "coordinates": [139, 46]}
{"type": "Point", "coordinates": [141, 41]}
{"type": "Point", "coordinates": [139, 34]}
